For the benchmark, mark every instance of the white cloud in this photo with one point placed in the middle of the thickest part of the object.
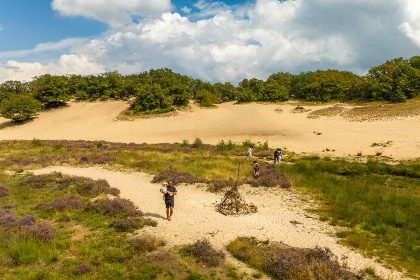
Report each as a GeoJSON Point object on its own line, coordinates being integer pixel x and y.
{"type": "Point", "coordinates": [114, 12]}
{"type": "Point", "coordinates": [44, 47]}
{"type": "Point", "coordinates": [186, 10]}
{"type": "Point", "coordinates": [67, 64]}
{"type": "Point", "coordinates": [411, 27]}
{"type": "Point", "coordinates": [229, 43]}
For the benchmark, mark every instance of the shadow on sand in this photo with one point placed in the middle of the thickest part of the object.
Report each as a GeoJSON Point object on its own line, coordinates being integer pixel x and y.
{"type": "Point", "coordinates": [154, 215]}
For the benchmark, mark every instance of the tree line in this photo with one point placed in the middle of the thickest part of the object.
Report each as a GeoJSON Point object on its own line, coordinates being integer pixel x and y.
{"type": "Point", "coordinates": [162, 90]}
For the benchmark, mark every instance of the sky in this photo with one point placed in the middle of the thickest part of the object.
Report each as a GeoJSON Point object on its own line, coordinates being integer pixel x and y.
{"type": "Point", "coordinates": [217, 41]}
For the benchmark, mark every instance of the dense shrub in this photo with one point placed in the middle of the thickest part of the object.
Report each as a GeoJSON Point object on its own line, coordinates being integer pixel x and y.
{"type": "Point", "coordinates": [205, 253]}
{"type": "Point", "coordinates": [270, 177]}
{"type": "Point", "coordinates": [177, 177]}
{"type": "Point", "coordinates": [52, 91]}
{"type": "Point", "coordinates": [151, 97]}
{"type": "Point", "coordinates": [4, 191]}
{"type": "Point", "coordinates": [284, 262]}
{"type": "Point", "coordinates": [20, 108]}
{"type": "Point", "coordinates": [114, 207]}
{"type": "Point", "coordinates": [126, 223]}
{"type": "Point", "coordinates": [146, 243]}
{"type": "Point", "coordinates": [198, 143]}
{"type": "Point", "coordinates": [83, 186]}
{"type": "Point", "coordinates": [27, 220]}
{"type": "Point", "coordinates": [7, 218]}
{"type": "Point", "coordinates": [70, 202]}
{"type": "Point", "coordinates": [205, 98]}
{"type": "Point", "coordinates": [44, 231]}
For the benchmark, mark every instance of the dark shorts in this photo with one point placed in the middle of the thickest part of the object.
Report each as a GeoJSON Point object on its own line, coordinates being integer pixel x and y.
{"type": "Point", "coordinates": [170, 204]}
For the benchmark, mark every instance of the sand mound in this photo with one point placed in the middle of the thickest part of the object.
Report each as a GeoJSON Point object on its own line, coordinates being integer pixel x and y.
{"type": "Point", "coordinates": [258, 122]}
{"type": "Point", "coordinates": [280, 216]}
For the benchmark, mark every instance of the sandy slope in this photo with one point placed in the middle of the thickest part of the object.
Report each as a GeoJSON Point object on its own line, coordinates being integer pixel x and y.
{"type": "Point", "coordinates": [96, 121]}
{"type": "Point", "coordinates": [195, 216]}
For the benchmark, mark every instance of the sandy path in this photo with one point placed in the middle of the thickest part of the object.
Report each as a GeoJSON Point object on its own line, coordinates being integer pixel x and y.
{"type": "Point", "coordinates": [195, 216]}
{"type": "Point", "coordinates": [258, 122]}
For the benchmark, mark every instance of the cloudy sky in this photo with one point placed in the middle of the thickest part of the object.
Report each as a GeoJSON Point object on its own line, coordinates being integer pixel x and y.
{"type": "Point", "coordinates": [211, 40]}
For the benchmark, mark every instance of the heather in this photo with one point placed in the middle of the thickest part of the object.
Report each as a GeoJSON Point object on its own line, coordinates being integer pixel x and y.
{"type": "Point", "coordinates": [204, 252]}
{"type": "Point", "coordinates": [61, 227]}
{"type": "Point", "coordinates": [380, 218]}
{"type": "Point", "coordinates": [283, 262]}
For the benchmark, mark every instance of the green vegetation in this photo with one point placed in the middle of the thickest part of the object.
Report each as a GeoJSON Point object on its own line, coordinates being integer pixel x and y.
{"type": "Point", "coordinates": [20, 107]}
{"type": "Point", "coordinates": [376, 202]}
{"type": "Point", "coordinates": [379, 203]}
{"type": "Point", "coordinates": [51, 227]}
{"type": "Point", "coordinates": [162, 90]}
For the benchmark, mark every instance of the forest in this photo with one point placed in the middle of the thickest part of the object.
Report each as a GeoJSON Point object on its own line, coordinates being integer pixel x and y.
{"type": "Point", "coordinates": [162, 90]}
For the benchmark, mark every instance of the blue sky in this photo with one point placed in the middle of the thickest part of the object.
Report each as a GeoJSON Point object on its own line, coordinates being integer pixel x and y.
{"type": "Point", "coordinates": [212, 40]}
{"type": "Point", "coordinates": [27, 23]}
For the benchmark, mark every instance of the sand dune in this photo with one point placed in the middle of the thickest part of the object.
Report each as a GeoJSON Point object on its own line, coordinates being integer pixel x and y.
{"type": "Point", "coordinates": [195, 216]}
{"type": "Point", "coordinates": [258, 122]}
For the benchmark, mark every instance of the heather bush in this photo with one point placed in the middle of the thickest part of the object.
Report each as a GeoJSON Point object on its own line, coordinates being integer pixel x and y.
{"type": "Point", "coordinates": [126, 223]}
{"type": "Point", "coordinates": [284, 262]}
{"type": "Point", "coordinates": [4, 191]}
{"type": "Point", "coordinates": [27, 220]}
{"type": "Point", "coordinates": [82, 269]}
{"type": "Point", "coordinates": [44, 232]}
{"type": "Point", "coordinates": [41, 181]}
{"type": "Point", "coordinates": [270, 177]}
{"type": "Point", "coordinates": [204, 252]}
{"type": "Point", "coordinates": [177, 177]}
{"type": "Point", "coordinates": [114, 207]}
{"type": "Point", "coordinates": [146, 243]}
{"type": "Point", "coordinates": [70, 202]}
{"type": "Point", "coordinates": [7, 218]}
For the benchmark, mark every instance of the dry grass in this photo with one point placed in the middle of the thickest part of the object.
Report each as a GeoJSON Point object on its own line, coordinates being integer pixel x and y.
{"type": "Point", "coordinates": [327, 112]}
{"type": "Point", "coordinates": [384, 111]}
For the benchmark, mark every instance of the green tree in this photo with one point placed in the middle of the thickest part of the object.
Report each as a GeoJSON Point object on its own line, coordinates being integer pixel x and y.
{"type": "Point", "coordinates": [52, 91]}
{"type": "Point", "coordinates": [224, 92]}
{"type": "Point", "coordinates": [20, 107]}
{"type": "Point", "coordinates": [415, 62]}
{"type": "Point", "coordinates": [274, 92]}
{"type": "Point", "coordinates": [205, 98]}
{"type": "Point", "coordinates": [179, 94]}
{"type": "Point", "coordinates": [397, 80]}
{"type": "Point", "coordinates": [151, 97]}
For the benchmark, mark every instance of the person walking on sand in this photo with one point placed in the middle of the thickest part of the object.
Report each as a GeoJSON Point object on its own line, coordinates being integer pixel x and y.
{"type": "Point", "coordinates": [250, 150]}
{"type": "Point", "coordinates": [170, 200]}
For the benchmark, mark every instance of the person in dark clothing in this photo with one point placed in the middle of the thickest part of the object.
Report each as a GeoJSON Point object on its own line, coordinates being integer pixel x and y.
{"type": "Point", "coordinates": [278, 154]}
{"type": "Point", "coordinates": [256, 169]}
{"type": "Point", "coordinates": [170, 200]}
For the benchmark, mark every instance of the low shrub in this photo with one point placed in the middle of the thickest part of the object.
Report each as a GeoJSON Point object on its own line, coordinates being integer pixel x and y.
{"type": "Point", "coordinates": [146, 243]}
{"type": "Point", "coordinates": [223, 146]}
{"type": "Point", "coordinates": [83, 186]}
{"type": "Point", "coordinates": [7, 218]}
{"type": "Point", "coordinates": [126, 223]}
{"type": "Point", "coordinates": [70, 202]}
{"type": "Point", "coordinates": [177, 177]}
{"type": "Point", "coordinates": [4, 191]}
{"type": "Point", "coordinates": [83, 268]}
{"type": "Point", "coordinates": [284, 262]}
{"type": "Point", "coordinates": [270, 177]}
{"type": "Point", "coordinates": [205, 253]}
{"type": "Point", "coordinates": [114, 207]}
{"type": "Point", "coordinates": [27, 220]}
{"type": "Point", "coordinates": [44, 232]}
{"type": "Point", "coordinates": [198, 143]}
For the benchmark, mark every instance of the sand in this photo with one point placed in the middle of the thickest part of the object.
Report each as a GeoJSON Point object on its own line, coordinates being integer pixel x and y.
{"type": "Point", "coordinates": [195, 216]}
{"type": "Point", "coordinates": [258, 122]}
